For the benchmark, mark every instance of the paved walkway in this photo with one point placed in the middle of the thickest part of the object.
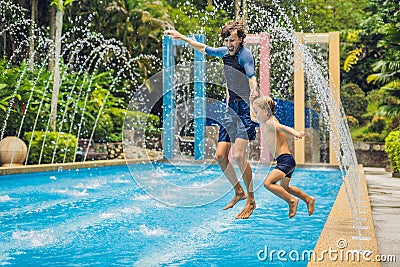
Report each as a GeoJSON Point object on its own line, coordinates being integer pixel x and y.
{"type": "Point", "coordinates": [384, 194]}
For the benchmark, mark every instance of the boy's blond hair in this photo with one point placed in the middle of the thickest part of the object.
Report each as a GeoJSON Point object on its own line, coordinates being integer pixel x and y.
{"type": "Point", "coordinates": [265, 103]}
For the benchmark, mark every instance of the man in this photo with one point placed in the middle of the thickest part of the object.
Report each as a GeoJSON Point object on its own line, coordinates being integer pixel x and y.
{"type": "Point", "coordinates": [237, 127]}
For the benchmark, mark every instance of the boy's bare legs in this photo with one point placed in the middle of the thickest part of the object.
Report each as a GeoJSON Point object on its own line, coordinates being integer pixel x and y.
{"type": "Point", "coordinates": [309, 200]}
{"type": "Point", "coordinates": [278, 190]}
{"type": "Point", "coordinates": [239, 156]}
{"type": "Point", "coordinates": [226, 166]}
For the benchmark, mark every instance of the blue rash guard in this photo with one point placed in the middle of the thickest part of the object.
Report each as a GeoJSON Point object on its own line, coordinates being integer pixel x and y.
{"type": "Point", "coordinates": [243, 62]}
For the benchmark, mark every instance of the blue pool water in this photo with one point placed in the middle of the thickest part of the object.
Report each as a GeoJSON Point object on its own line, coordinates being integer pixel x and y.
{"type": "Point", "coordinates": [104, 217]}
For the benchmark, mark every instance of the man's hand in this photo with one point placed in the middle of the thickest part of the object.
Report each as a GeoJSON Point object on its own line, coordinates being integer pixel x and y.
{"type": "Point", "coordinates": [193, 43]}
{"type": "Point", "coordinates": [174, 34]}
{"type": "Point", "coordinates": [253, 95]}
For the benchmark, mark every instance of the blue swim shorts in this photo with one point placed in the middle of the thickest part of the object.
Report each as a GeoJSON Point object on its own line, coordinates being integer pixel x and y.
{"type": "Point", "coordinates": [237, 123]}
{"type": "Point", "coordinates": [286, 164]}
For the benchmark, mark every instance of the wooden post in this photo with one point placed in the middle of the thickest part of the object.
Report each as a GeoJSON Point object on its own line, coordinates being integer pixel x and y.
{"type": "Point", "coordinates": [169, 112]}
{"type": "Point", "coordinates": [334, 81]}
{"type": "Point", "coordinates": [263, 40]}
{"type": "Point", "coordinates": [199, 101]}
{"type": "Point", "coordinates": [299, 116]}
{"type": "Point", "coordinates": [168, 99]}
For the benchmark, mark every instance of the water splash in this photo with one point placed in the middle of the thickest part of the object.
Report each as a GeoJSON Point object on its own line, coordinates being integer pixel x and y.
{"type": "Point", "coordinates": [85, 53]}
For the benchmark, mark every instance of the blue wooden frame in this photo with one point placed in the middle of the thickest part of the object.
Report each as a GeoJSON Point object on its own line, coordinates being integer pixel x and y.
{"type": "Point", "coordinates": [169, 97]}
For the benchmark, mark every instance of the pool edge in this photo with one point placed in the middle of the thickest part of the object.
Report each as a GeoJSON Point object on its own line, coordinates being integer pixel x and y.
{"type": "Point", "coordinates": [339, 227]}
{"type": "Point", "coordinates": [68, 166]}
{"type": "Point", "coordinates": [115, 162]}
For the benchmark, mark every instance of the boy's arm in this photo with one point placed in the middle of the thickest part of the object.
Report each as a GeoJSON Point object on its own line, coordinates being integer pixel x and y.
{"type": "Point", "coordinates": [193, 43]}
{"type": "Point", "coordinates": [289, 130]}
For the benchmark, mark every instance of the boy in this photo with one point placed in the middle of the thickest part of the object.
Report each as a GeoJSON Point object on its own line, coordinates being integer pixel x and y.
{"type": "Point", "coordinates": [275, 139]}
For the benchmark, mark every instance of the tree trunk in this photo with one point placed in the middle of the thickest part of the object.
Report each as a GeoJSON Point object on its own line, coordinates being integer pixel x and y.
{"type": "Point", "coordinates": [56, 80]}
{"type": "Point", "coordinates": [237, 9]}
{"type": "Point", "coordinates": [244, 14]}
{"type": "Point", "coordinates": [52, 24]}
{"type": "Point", "coordinates": [4, 44]}
{"type": "Point", "coordinates": [32, 34]}
{"type": "Point", "coordinates": [13, 48]}
{"type": "Point", "coordinates": [210, 3]}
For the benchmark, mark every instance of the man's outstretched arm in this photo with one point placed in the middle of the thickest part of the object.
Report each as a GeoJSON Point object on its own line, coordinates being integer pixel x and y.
{"type": "Point", "coordinates": [193, 43]}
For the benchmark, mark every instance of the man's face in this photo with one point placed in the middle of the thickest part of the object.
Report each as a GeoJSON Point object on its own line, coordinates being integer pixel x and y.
{"type": "Point", "coordinates": [232, 42]}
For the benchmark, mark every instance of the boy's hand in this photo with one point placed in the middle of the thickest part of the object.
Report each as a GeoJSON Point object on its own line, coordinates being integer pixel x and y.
{"type": "Point", "coordinates": [299, 135]}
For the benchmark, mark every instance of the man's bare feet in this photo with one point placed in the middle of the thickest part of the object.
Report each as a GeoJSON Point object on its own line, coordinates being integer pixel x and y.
{"type": "Point", "coordinates": [247, 210]}
{"type": "Point", "coordinates": [293, 208]}
{"type": "Point", "coordinates": [310, 206]}
{"type": "Point", "coordinates": [236, 198]}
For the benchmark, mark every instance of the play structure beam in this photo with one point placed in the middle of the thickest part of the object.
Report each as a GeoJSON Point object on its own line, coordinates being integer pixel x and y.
{"type": "Point", "coordinates": [316, 38]}
{"type": "Point", "coordinates": [264, 64]}
{"type": "Point", "coordinates": [199, 101]}
{"type": "Point", "coordinates": [332, 39]}
{"type": "Point", "coordinates": [334, 82]}
{"type": "Point", "coordinates": [169, 98]}
{"type": "Point", "coordinates": [299, 95]}
{"type": "Point", "coordinates": [263, 40]}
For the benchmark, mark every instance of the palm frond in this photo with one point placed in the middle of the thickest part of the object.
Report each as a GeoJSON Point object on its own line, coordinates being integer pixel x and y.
{"type": "Point", "coordinates": [389, 110]}
{"type": "Point", "coordinates": [382, 78]}
{"type": "Point", "coordinates": [353, 57]}
{"type": "Point", "coordinates": [393, 89]}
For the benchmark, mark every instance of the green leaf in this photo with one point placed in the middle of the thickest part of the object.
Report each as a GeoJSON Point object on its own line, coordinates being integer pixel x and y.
{"type": "Point", "coordinates": [57, 4]}
{"type": "Point", "coordinates": [67, 2]}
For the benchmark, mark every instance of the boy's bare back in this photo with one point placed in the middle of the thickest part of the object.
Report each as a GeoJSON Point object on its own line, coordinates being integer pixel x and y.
{"type": "Point", "coordinates": [274, 133]}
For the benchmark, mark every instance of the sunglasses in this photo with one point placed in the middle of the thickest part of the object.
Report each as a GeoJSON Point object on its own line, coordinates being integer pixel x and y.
{"type": "Point", "coordinates": [231, 39]}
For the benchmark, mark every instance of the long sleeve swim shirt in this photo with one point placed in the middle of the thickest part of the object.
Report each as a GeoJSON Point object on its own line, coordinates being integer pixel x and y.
{"type": "Point", "coordinates": [239, 68]}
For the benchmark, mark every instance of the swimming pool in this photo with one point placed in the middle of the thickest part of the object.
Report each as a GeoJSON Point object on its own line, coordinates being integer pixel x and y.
{"type": "Point", "coordinates": [103, 217]}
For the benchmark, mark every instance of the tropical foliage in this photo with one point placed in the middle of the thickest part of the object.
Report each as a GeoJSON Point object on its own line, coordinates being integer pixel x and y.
{"type": "Point", "coordinates": [50, 147]}
{"type": "Point", "coordinates": [353, 101]}
{"type": "Point", "coordinates": [85, 100]}
{"type": "Point", "coordinates": [392, 147]}
{"type": "Point", "coordinates": [373, 62]}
